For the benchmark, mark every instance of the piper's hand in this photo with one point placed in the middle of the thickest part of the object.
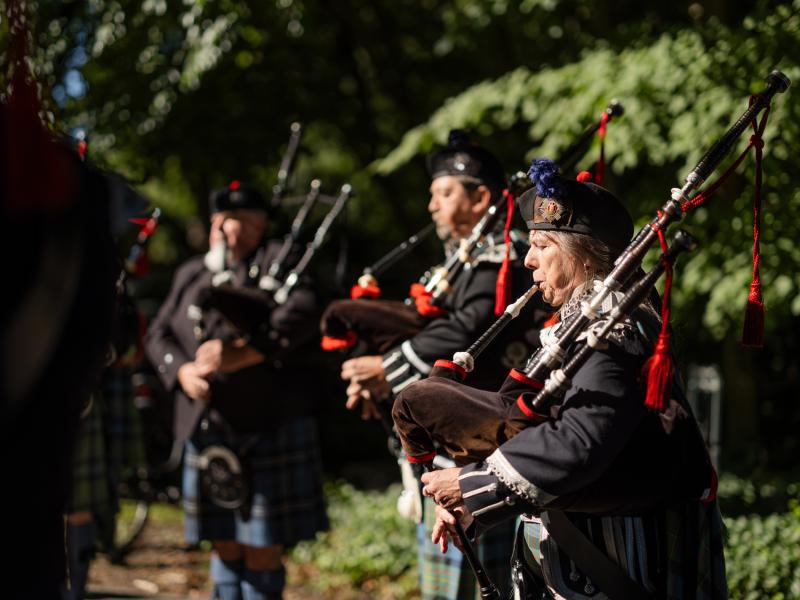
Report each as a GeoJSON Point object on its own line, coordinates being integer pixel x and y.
{"type": "Point", "coordinates": [364, 369]}
{"type": "Point", "coordinates": [444, 526]}
{"type": "Point", "coordinates": [442, 486]}
{"type": "Point", "coordinates": [225, 357]}
{"type": "Point", "coordinates": [193, 383]}
{"type": "Point", "coordinates": [357, 394]}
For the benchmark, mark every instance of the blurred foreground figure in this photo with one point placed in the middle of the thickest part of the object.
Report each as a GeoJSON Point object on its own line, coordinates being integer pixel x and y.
{"type": "Point", "coordinates": [56, 316]}
{"type": "Point", "coordinates": [252, 478]}
{"type": "Point", "coordinates": [617, 501]}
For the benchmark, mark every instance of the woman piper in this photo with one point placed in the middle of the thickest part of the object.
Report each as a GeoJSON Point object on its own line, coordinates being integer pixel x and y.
{"type": "Point", "coordinates": [617, 501]}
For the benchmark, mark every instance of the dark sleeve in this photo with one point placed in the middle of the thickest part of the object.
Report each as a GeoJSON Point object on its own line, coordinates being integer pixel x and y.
{"type": "Point", "coordinates": [291, 325]}
{"type": "Point", "coordinates": [160, 343]}
{"type": "Point", "coordinates": [600, 413]}
{"type": "Point", "coordinates": [487, 498]}
{"type": "Point", "coordinates": [470, 314]}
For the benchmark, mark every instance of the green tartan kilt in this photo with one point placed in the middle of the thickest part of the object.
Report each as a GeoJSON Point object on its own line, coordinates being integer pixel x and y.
{"type": "Point", "coordinates": [109, 445]}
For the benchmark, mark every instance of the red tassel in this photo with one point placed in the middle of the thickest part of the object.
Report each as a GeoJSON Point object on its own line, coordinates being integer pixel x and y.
{"type": "Point", "coordinates": [600, 167]}
{"type": "Point", "coordinates": [502, 290]}
{"type": "Point", "coordinates": [369, 291]}
{"type": "Point", "coordinates": [658, 368]}
{"type": "Point", "coordinates": [753, 333]}
{"type": "Point", "coordinates": [659, 375]}
{"type": "Point", "coordinates": [584, 176]}
{"type": "Point", "coordinates": [329, 343]}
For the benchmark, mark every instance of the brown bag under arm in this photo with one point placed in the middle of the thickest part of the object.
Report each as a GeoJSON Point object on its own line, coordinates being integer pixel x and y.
{"type": "Point", "coordinates": [467, 422]}
{"type": "Point", "coordinates": [382, 324]}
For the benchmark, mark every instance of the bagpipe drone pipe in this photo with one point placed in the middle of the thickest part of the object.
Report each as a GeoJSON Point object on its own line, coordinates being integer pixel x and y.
{"type": "Point", "coordinates": [248, 309]}
{"type": "Point", "coordinates": [470, 424]}
{"type": "Point", "coordinates": [382, 324]}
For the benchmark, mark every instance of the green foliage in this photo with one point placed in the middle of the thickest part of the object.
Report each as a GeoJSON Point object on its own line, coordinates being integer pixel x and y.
{"type": "Point", "coordinates": [763, 556]}
{"type": "Point", "coordinates": [739, 495]}
{"type": "Point", "coordinates": [372, 548]}
{"type": "Point", "coordinates": [681, 92]}
{"type": "Point", "coordinates": [369, 546]}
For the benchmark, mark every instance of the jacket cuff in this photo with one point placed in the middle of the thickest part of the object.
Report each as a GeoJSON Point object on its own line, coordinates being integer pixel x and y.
{"type": "Point", "coordinates": [486, 497]}
{"type": "Point", "coordinates": [167, 365]}
{"type": "Point", "coordinates": [403, 366]}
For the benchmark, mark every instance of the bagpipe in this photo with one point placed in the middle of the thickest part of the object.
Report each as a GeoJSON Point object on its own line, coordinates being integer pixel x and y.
{"type": "Point", "coordinates": [382, 324]}
{"type": "Point", "coordinates": [487, 419]}
{"type": "Point", "coordinates": [248, 308]}
{"type": "Point", "coordinates": [287, 163]}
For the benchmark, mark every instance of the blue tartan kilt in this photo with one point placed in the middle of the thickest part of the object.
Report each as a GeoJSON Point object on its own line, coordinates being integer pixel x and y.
{"type": "Point", "coordinates": [287, 505]}
{"type": "Point", "coordinates": [448, 576]}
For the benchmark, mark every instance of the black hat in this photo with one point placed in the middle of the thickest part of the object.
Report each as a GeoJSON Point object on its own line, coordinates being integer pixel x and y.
{"type": "Point", "coordinates": [556, 203]}
{"type": "Point", "coordinates": [237, 195]}
{"type": "Point", "coordinates": [467, 161]}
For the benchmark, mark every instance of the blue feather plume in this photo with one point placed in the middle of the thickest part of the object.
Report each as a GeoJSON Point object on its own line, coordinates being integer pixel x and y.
{"type": "Point", "coordinates": [544, 175]}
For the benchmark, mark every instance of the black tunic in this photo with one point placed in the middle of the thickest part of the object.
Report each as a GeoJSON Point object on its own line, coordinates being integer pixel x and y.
{"type": "Point", "coordinates": [253, 399]}
{"type": "Point", "coordinates": [607, 462]}
{"type": "Point", "coordinates": [470, 312]}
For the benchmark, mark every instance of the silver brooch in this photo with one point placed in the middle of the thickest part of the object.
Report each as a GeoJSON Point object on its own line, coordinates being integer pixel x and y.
{"type": "Point", "coordinates": [460, 162]}
{"type": "Point", "coordinates": [550, 210]}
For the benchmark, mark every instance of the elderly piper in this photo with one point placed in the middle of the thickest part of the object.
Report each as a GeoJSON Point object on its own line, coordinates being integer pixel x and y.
{"type": "Point", "coordinates": [252, 475]}
{"type": "Point", "coordinates": [617, 501]}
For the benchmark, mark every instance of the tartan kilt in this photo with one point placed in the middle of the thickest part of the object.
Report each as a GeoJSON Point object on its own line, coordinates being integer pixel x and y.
{"type": "Point", "coordinates": [90, 490]}
{"type": "Point", "coordinates": [448, 576]}
{"type": "Point", "coordinates": [108, 447]}
{"type": "Point", "coordinates": [287, 504]}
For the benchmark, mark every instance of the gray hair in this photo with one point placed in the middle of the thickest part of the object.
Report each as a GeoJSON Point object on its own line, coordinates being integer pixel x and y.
{"type": "Point", "coordinates": [597, 259]}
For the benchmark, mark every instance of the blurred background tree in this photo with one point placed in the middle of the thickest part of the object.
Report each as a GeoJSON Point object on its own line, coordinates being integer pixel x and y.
{"type": "Point", "coordinates": [182, 97]}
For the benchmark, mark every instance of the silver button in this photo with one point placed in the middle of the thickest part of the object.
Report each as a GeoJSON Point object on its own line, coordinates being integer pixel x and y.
{"type": "Point", "coordinates": [284, 343]}
{"type": "Point", "coordinates": [168, 358]}
{"type": "Point", "coordinates": [162, 369]}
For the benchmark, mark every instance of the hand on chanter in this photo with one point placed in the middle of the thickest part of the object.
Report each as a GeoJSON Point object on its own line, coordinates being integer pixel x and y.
{"type": "Point", "coordinates": [442, 486]}
{"type": "Point", "coordinates": [225, 357]}
{"type": "Point", "coordinates": [366, 370]}
{"type": "Point", "coordinates": [193, 383]}
{"type": "Point", "coordinates": [444, 526]}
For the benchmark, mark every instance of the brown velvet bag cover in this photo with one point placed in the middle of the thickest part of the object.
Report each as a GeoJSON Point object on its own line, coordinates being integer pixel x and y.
{"type": "Point", "coordinates": [245, 308]}
{"type": "Point", "coordinates": [382, 324]}
{"type": "Point", "coordinates": [468, 423]}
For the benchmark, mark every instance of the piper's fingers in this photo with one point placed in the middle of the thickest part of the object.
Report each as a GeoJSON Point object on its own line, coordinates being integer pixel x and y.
{"type": "Point", "coordinates": [352, 401]}
{"type": "Point", "coordinates": [445, 516]}
{"type": "Point", "coordinates": [350, 368]}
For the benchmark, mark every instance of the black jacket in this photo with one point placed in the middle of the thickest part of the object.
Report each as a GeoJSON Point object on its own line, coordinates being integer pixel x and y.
{"type": "Point", "coordinates": [256, 398]}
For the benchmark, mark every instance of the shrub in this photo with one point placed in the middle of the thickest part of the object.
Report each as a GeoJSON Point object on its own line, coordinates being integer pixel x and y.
{"type": "Point", "coordinates": [370, 546]}
{"type": "Point", "coordinates": [763, 556]}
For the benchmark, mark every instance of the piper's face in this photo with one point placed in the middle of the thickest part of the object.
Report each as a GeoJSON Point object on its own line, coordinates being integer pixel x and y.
{"type": "Point", "coordinates": [242, 229]}
{"type": "Point", "coordinates": [557, 272]}
{"type": "Point", "coordinates": [454, 209]}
